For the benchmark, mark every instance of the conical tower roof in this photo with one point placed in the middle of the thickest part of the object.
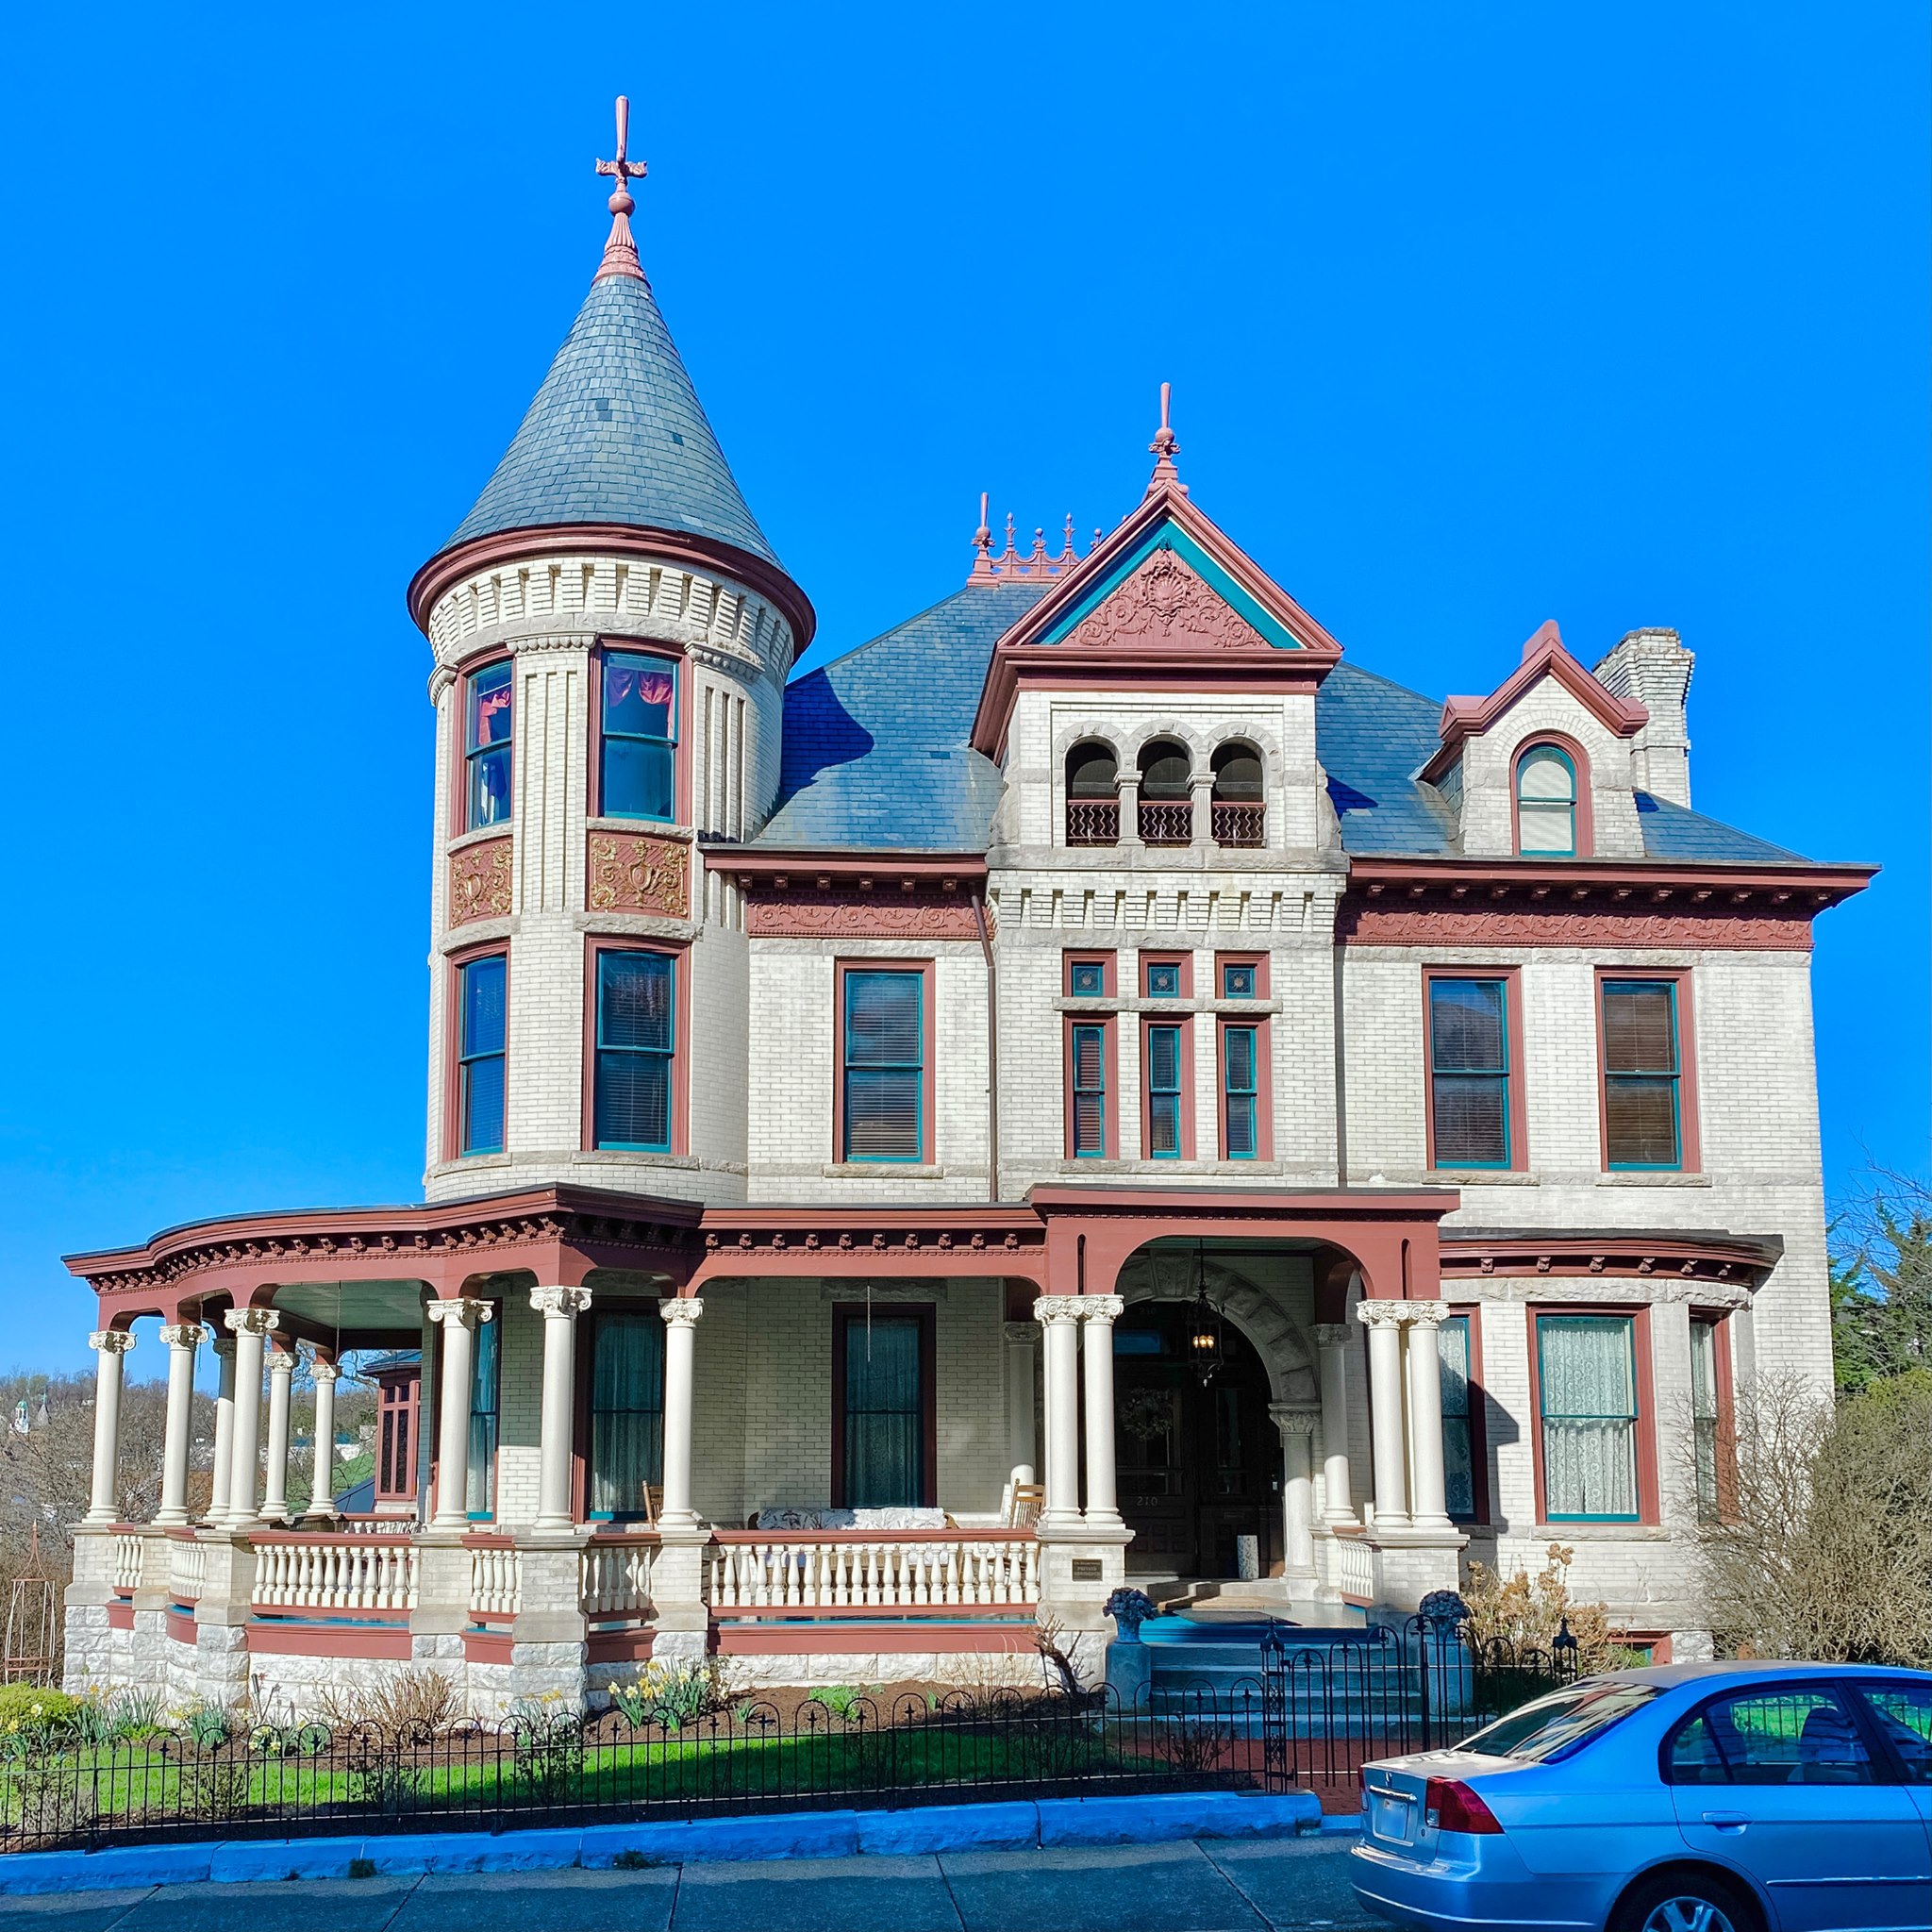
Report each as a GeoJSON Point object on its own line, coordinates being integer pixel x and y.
{"type": "Point", "coordinates": [617, 435]}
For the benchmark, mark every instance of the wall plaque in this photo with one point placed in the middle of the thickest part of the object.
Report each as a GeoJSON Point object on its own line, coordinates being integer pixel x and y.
{"type": "Point", "coordinates": [1085, 1570]}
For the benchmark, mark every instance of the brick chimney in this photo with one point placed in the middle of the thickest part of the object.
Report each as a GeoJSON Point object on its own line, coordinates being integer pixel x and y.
{"type": "Point", "coordinates": [1652, 667]}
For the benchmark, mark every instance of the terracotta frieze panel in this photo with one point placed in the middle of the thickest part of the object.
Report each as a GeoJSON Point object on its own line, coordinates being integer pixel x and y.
{"type": "Point", "coordinates": [479, 882]}
{"type": "Point", "coordinates": [1718, 929]}
{"type": "Point", "coordinates": [1165, 603]}
{"type": "Point", "coordinates": [833, 916]}
{"type": "Point", "coordinates": [639, 875]}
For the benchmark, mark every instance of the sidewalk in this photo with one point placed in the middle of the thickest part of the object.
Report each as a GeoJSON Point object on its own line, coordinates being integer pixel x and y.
{"type": "Point", "coordinates": [1219, 1886]}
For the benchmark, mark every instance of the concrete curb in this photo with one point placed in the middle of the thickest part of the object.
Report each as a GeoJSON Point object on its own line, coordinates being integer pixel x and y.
{"type": "Point", "coordinates": [1010, 1826]}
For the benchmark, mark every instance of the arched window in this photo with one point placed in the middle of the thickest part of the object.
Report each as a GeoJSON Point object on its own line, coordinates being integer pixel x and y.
{"type": "Point", "coordinates": [1167, 811]}
{"type": "Point", "coordinates": [1547, 803]}
{"type": "Point", "coordinates": [1094, 803]}
{"type": "Point", "coordinates": [1239, 810]}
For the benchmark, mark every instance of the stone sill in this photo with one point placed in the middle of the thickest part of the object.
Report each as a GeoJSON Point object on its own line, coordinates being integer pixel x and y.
{"type": "Point", "coordinates": [481, 835]}
{"type": "Point", "coordinates": [1591, 1532]}
{"type": "Point", "coordinates": [1653, 1180]}
{"type": "Point", "coordinates": [1102, 1004]}
{"type": "Point", "coordinates": [879, 1170]}
{"type": "Point", "coordinates": [1481, 1177]}
{"type": "Point", "coordinates": [643, 828]}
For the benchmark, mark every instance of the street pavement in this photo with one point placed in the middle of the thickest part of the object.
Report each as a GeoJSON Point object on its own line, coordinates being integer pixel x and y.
{"type": "Point", "coordinates": [1298, 1885]}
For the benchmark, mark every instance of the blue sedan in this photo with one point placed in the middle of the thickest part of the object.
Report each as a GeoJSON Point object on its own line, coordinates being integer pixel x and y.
{"type": "Point", "coordinates": [1732, 1797]}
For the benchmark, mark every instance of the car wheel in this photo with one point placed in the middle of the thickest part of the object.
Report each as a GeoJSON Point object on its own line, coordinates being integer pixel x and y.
{"type": "Point", "coordinates": [1685, 1902]}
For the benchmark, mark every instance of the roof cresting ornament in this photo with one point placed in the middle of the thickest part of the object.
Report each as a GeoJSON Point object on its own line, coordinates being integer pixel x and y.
{"type": "Point", "coordinates": [1164, 448]}
{"type": "Point", "coordinates": [620, 250]}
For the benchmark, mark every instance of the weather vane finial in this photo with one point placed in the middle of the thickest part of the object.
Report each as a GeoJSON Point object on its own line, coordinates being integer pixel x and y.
{"type": "Point", "coordinates": [621, 251]}
{"type": "Point", "coordinates": [1165, 447]}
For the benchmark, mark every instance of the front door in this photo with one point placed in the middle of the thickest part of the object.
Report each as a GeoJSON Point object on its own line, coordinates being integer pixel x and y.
{"type": "Point", "coordinates": [1197, 1466]}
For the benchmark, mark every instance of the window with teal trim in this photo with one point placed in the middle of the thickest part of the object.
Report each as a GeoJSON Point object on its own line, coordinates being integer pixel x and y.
{"type": "Point", "coordinates": [1087, 979]}
{"type": "Point", "coordinates": [637, 780]}
{"type": "Point", "coordinates": [627, 1411]}
{"type": "Point", "coordinates": [885, 1066]}
{"type": "Point", "coordinates": [636, 1033]}
{"type": "Point", "coordinates": [1240, 1090]}
{"type": "Point", "coordinates": [481, 987]}
{"type": "Point", "coordinates": [1586, 1382]}
{"type": "Point", "coordinates": [1237, 982]}
{"type": "Point", "coordinates": [1089, 1056]}
{"type": "Point", "coordinates": [1162, 979]}
{"type": "Point", "coordinates": [1469, 1072]}
{"type": "Point", "coordinates": [1164, 1092]}
{"type": "Point", "coordinates": [1547, 803]}
{"type": "Point", "coordinates": [486, 1399]}
{"type": "Point", "coordinates": [1642, 1079]}
{"type": "Point", "coordinates": [487, 748]}
{"type": "Point", "coordinates": [1459, 1431]}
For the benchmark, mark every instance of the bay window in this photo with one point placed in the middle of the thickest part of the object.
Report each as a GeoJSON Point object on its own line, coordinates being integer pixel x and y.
{"type": "Point", "coordinates": [637, 759]}
{"type": "Point", "coordinates": [487, 717]}
{"type": "Point", "coordinates": [1587, 1381]}
{"type": "Point", "coordinates": [482, 987]}
{"type": "Point", "coordinates": [636, 1051]}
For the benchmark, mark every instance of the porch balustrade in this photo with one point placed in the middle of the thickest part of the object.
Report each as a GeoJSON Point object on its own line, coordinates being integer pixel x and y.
{"type": "Point", "coordinates": [129, 1547]}
{"type": "Point", "coordinates": [957, 1570]}
{"type": "Point", "coordinates": [335, 1573]}
{"type": "Point", "coordinates": [187, 1567]}
{"type": "Point", "coordinates": [614, 1577]}
{"type": "Point", "coordinates": [1355, 1569]}
{"type": "Point", "coordinates": [497, 1580]}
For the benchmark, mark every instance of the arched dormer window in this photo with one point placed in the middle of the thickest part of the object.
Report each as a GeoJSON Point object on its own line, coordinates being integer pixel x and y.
{"type": "Point", "coordinates": [1547, 803]}
{"type": "Point", "coordinates": [1093, 800]}
{"type": "Point", "coordinates": [1240, 812]}
{"type": "Point", "coordinates": [1167, 808]}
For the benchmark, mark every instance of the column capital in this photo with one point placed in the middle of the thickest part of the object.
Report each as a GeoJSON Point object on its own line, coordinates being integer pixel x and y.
{"type": "Point", "coordinates": [562, 1302]}
{"type": "Point", "coordinates": [681, 1310]}
{"type": "Point", "coordinates": [1101, 1308]}
{"type": "Point", "coordinates": [324, 1372]}
{"type": "Point", "coordinates": [251, 1321]}
{"type": "Point", "coordinates": [285, 1355]}
{"type": "Point", "coordinates": [465, 1311]}
{"type": "Point", "coordinates": [1382, 1314]}
{"type": "Point", "coordinates": [1331, 1334]}
{"type": "Point", "coordinates": [1427, 1314]}
{"type": "Point", "coordinates": [111, 1340]}
{"type": "Point", "coordinates": [222, 1344]}
{"type": "Point", "coordinates": [1048, 1309]}
{"type": "Point", "coordinates": [183, 1335]}
{"type": "Point", "coordinates": [1291, 1419]}
{"type": "Point", "coordinates": [1020, 1334]}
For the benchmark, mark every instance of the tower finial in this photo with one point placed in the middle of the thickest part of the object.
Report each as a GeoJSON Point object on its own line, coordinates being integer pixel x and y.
{"type": "Point", "coordinates": [620, 250]}
{"type": "Point", "coordinates": [982, 543]}
{"type": "Point", "coordinates": [1165, 447]}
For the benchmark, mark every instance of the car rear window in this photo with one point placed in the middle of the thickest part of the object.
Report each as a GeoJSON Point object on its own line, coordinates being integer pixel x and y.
{"type": "Point", "coordinates": [1554, 1726]}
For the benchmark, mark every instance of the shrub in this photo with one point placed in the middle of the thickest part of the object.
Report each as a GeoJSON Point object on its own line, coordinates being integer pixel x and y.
{"type": "Point", "coordinates": [414, 1705]}
{"type": "Point", "coordinates": [1524, 1613]}
{"type": "Point", "coordinates": [32, 1709]}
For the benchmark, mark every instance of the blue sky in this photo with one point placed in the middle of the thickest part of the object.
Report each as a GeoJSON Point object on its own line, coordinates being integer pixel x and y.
{"type": "Point", "coordinates": [1475, 317]}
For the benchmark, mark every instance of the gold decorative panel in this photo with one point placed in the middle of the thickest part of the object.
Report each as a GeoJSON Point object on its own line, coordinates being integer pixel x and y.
{"type": "Point", "coordinates": [479, 882]}
{"type": "Point", "coordinates": [639, 875]}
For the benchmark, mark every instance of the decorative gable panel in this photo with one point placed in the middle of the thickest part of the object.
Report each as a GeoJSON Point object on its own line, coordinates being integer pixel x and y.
{"type": "Point", "coordinates": [1164, 603]}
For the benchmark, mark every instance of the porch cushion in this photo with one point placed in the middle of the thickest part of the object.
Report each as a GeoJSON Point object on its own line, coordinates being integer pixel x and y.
{"type": "Point", "coordinates": [851, 1519]}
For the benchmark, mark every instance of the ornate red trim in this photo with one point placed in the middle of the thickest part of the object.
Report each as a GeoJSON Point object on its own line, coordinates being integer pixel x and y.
{"type": "Point", "coordinates": [1744, 1260]}
{"type": "Point", "coordinates": [1165, 604]}
{"type": "Point", "coordinates": [841, 917]}
{"type": "Point", "coordinates": [1403, 925]}
{"type": "Point", "coordinates": [637, 873]}
{"type": "Point", "coordinates": [479, 884]}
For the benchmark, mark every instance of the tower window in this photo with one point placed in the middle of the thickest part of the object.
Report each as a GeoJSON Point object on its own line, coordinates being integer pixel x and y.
{"type": "Point", "coordinates": [487, 747]}
{"type": "Point", "coordinates": [482, 986]}
{"type": "Point", "coordinates": [1547, 803]}
{"type": "Point", "coordinates": [637, 998]}
{"type": "Point", "coordinates": [637, 775]}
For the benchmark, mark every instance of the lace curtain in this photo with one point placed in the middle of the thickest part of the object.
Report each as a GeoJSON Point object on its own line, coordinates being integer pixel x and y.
{"type": "Point", "coordinates": [1588, 1380]}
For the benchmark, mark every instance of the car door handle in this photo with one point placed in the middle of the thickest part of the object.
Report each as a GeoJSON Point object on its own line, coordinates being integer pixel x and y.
{"type": "Point", "coordinates": [1727, 1820]}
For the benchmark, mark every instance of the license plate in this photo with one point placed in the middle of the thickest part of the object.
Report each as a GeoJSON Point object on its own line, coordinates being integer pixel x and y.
{"type": "Point", "coordinates": [1391, 1817]}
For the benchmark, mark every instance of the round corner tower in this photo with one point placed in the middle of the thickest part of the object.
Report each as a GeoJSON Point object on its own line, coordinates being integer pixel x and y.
{"type": "Point", "coordinates": [611, 635]}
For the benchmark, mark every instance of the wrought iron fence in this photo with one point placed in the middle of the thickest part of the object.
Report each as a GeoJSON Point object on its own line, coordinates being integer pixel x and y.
{"type": "Point", "coordinates": [1311, 1714]}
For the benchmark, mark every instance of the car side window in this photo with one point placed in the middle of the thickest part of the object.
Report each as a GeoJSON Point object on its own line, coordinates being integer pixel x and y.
{"type": "Point", "coordinates": [1903, 1711]}
{"type": "Point", "coordinates": [1786, 1734]}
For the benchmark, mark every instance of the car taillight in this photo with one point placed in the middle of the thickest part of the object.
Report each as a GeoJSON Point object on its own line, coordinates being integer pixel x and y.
{"type": "Point", "coordinates": [1451, 1806]}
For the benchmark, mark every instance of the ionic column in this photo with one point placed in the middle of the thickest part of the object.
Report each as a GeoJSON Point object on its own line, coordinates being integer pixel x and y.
{"type": "Point", "coordinates": [1023, 1352]}
{"type": "Point", "coordinates": [181, 1340]}
{"type": "Point", "coordinates": [1297, 1426]}
{"type": "Point", "coordinates": [1428, 1506]}
{"type": "Point", "coordinates": [322, 1482]}
{"type": "Point", "coordinates": [681, 1315]}
{"type": "Point", "coordinates": [251, 1328]}
{"type": "Point", "coordinates": [1098, 1313]}
{"type": "Point", "coordinates": [1331, 1348]}
{"type": "Point", "coordinates": [459, 1317]}
{"type": "Point", "coordinates": [224, 1346]}
{"type": "Point", "coordinates": [111, 1345]}
{"type": "Point", "coordinates": [559, 1307]}
{"type": "Point", "coordinates": [1382, 1320]}
{"type": "Point", "coordinates": [282, 1359]}
{"type": "Point", "coordinates": [1059, 1315]}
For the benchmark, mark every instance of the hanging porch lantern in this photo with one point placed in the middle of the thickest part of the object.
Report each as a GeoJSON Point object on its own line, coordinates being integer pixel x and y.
{"type": "Point", "coordinates": [1204, 1324]}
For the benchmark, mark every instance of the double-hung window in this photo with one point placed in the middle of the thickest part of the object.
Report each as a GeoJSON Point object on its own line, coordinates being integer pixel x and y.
{"type": "Point", "coordinates": [1642, 1074]}
{"type": "Point", "coordinates": [636, 1033]}
{"type": "Point", "coordinates": [486, 707]}
{"type": "Point", "coordinates": [1707, 1372]}
{"type": "Point", "coordinates": [1469, 1072]}
{"type": "Point", "coordinates": [1086, 1070]}
{"type": "Point", "coordinates": [1547, 803]}
{"type": "Point", "coordinates": [481, 987]}
{"type": "Point", "coordinates": [486, 1401]}
{"type": "Point", "coordinates": [637, 775]}
{"type": "Point", "coordinates": [1240, 1091]}
{"type": "Point", "coordinates": [1164, 1070]}
{"type": "Point", "coordinates": [1458, 1419]}
{"type": "Point", "coordinates": [884, 1073]}
{"type": "Point", "coordinates": [627, 1411]}
{"type": "Point", "coordinates": [1586, 1385]}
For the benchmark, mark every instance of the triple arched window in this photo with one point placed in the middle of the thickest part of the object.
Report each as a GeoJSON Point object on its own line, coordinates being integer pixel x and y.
{"type": "Point", "coordinates": [1547, 803]}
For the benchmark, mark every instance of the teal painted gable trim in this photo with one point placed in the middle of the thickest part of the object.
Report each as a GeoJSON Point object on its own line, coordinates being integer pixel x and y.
{"type": "Point", "coordinates": [1168, 535]}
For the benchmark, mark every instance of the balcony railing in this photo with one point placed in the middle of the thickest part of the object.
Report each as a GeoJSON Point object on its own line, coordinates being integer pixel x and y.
{"type": "Point", "coordinates": [334, 1573]}
{"type": "Point", "coordinates": [1093, 821]}
{"type": "Point", "coordinates": [614, 1577]}
{"type": "Point", "coordinates": [930, 1574]}
{"type": "Point", "coordinates": [1166, 824]}
{"type": "Point", "coordinates": [1239, 824]}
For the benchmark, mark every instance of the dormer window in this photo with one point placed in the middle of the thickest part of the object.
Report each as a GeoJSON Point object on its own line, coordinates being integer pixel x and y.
{"type": "Point", "coordinates": [1167, 808]}
{"type": "Point", "coordinates": [487, 747]}
{"type": "Point", "coordinates": [1547, 803]}
{"type": "Point", "coordinates": [1093, 800]}
{"type": "Point", "coordinates": [638, 772]}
